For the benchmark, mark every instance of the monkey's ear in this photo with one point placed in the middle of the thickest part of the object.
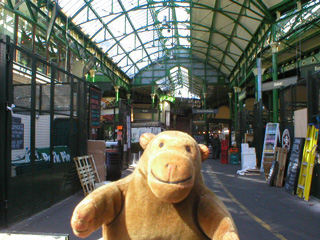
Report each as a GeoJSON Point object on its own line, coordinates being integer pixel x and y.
{"type": "Point", "coordinates": [204, 150]}
{"type": "Point", "coordinates": [145, 139]}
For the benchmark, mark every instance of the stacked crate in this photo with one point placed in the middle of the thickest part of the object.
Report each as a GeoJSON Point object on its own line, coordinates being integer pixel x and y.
{"type": "Point", "coordinates": [234, 156]}
{"type": "Point", "coordinates": [224, 151]}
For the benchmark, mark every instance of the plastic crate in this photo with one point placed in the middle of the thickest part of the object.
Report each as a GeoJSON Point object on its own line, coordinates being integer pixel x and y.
{"type": "Point", "coordinates": [224, 145]}
{"type": "Point", "coordinates": [224, 159]}
{"type": "Point", "coordinates": [234, 150]}
{"type": "Point", "coordinates": [234, 158]}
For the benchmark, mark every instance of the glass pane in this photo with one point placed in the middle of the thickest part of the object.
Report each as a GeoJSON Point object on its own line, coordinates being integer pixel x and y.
{"type": "Point", "coordinates": [21, 121]}
{"type": "Point", "coordinates": [6, 23]}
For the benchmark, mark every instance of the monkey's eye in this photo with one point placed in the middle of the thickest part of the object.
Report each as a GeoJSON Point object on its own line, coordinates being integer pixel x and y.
{"type": "Point", "coordinates": [161, 145]}
{"type": "Point", "coordinates": [188, 149]}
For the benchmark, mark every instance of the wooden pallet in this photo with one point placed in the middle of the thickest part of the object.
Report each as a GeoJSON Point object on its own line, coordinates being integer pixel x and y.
{"type": "Point", "coordinates": [87, 173]}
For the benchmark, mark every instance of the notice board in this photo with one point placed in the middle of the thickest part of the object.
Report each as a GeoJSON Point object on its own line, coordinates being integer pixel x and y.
{"type": "Point", "coordinates": [17, 137]}
{"type": "Point", "coordinates": [294, 165]}
{"type": "Point", "coordinates": [94, 103]}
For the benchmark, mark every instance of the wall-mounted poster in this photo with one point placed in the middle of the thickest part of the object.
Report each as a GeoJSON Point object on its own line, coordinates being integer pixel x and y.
{"type": "Point", "coordinates": [94, 103]}
{"type": "Point", "coordinates": [17, 136]}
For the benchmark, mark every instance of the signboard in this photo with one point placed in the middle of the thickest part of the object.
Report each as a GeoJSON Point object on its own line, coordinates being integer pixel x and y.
{"type": "Point", "coordinates": [140, 110]}
{"type": "Point", "coordinates": [278, 84]}
{"type": "Point", "coordinates": [17, 137]}
{"type": "Point", "coordinates": [204, 111]}
{"type": "Point", "coordinates": [94, 103]}
{"type": "Point", "coordinates": [60, 154]}
{"type": "Point", "coordinates": [294, 165]}
{"type": "Point", "coordinates": [35, 236]}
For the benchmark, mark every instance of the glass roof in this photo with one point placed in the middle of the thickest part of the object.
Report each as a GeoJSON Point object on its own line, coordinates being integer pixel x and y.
{"type": "Point", "coordinates": [223, 35]}
{"type": "Point", "coordinates": [133, 33]}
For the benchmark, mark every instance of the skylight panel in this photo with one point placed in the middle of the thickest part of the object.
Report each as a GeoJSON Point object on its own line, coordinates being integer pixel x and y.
{"type": "Point", "coordinates": [117, 27]}
{"type": "Point", "coordinates": [108, 18]}
{"type": "Point", "coordinates": [102, 7]}
{"type": "Point", "coordinates": [142, 64]}
{"type": "Point", "coordinates": [91, 27]}
{"type": "Point", "coordinates": [115, 7]}
{"type": "Point", "coordinates": [146, 36]}
{"type": "Point", "coordinates": [138, 18]}
{"type": "Point", "coordinates": [131, 71]}
{"type": "Point", "coordinates": [107, 45]}
{"type": "Point", "coordinates": [136, 55]}
{"type": "Point", "coordinates": [184, 42]}
{"type": "Point", "coordinates": [129, 42]}
{"type": "Point", "coordinates": [119, 57]}
{"type": "Point", "coordinates": [84, 16]}
{"type": "Point", "coordinates": [182, 15]}
{"type": "Point", "coordinates": [70, 7]}
{"type": "Point", "coordinates": [100, 37]}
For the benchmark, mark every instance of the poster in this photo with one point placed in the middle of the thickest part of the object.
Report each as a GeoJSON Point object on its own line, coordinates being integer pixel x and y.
{"type": "Point", "coordinates": [94, 103]}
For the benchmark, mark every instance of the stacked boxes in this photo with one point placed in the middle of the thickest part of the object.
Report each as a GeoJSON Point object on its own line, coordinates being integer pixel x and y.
{"type": "Point", "coordinates": [248, 157]}
{"type": "Point", "coordinates": [224, 151]}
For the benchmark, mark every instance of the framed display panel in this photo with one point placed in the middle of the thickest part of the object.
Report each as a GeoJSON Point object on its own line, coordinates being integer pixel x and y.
{"type": "Point", "coordinates": [271, 137]}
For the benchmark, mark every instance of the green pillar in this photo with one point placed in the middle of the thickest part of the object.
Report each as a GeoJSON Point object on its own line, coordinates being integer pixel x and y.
{"type": "Point", "coordinates": [116, 88]}
{"type": "Point", "coordinates": [230, 104]}
{"type": "Point", "coordinates": [159, 115]}
{"type": "Point", "coordinates": [205, 104]}
{"type": "Point", "coordinates": [153, 95]}
{"type": "Point", "coordinates": [128, 98]}
{"type": "Point", "coordinates": [275, 92]}
{"type": "Point", "coordinates": [93, 75]}
{"type": "Point", "coordinates": [235, 108]}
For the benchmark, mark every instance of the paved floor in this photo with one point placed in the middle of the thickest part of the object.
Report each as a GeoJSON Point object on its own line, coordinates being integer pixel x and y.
{"type": "Point", "coordinates": [260, 212]}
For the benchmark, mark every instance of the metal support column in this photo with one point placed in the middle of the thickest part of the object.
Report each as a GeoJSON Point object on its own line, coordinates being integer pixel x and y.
{"type": "Point", "coordinates": [235, 110]}
{"type": "Point", "coordinates": [275, 93]}
{"type": "Point", "coordinates": [259, 129]}
{"type": "Point", "coordinates": [5, 125]}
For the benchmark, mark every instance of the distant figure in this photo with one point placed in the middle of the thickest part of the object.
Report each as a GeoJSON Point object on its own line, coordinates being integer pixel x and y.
{"type": "Point", "coordinates": [215, 142]}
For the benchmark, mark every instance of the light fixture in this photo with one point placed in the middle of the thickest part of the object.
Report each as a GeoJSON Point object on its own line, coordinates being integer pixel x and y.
{"type": "Point", "coordinates": [230, 94]}
{"type": "Point", "coordinates": [237, 89]}
{"type": "Point", "coordinates": [164, 22]}
{"type": "Point", "coordinates": [92, 73]}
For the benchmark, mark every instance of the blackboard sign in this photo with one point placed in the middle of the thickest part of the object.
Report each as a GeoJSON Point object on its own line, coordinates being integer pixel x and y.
{"type": "Point", "coordinates": [294, 165]}
{"type": "Point", "coordinates": [17, 137]}
{"type": "Point", "coordinates": [95, 97]}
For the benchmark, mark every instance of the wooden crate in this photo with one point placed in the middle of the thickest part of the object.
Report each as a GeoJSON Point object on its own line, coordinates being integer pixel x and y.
{"type": "Point", "coordinates": [87, 173]}
{"type": "Point", "coordinates": [267, 163]}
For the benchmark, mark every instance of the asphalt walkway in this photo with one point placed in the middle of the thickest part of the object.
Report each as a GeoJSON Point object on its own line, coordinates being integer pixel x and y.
{"type": "Point", "coordinates": [259, 211]}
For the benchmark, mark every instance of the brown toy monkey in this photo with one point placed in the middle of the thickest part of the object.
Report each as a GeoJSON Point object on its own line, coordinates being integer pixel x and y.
{"type": "Point", "coordinates": [164, 198]}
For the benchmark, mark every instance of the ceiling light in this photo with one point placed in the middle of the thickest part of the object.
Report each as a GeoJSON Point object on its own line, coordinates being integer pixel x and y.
{"type": "Point", "coordinates": [164, 22]}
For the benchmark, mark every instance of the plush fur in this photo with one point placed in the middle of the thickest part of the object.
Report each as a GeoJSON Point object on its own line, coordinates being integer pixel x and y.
{"type": "Point", "coordinates": [164, 198]}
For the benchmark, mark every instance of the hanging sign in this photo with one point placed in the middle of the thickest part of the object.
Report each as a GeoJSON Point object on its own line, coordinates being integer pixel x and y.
{"type": "Point", "coordinates": [144, 110]}
{"type": "Point", "coordinates": [278, 84]}
{"type": "Point", "coordinates": [204, 111]}
{"type": "Point", "coordinates": [94, 104]}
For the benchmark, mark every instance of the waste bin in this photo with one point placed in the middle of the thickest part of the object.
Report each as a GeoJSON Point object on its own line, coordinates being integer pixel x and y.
{"type": "Point", "coordinates": [114, 165]}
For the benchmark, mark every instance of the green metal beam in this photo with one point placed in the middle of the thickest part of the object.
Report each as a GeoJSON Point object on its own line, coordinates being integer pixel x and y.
{"type": "Point", "coordinates": [133, 27]}
{"type": "Point", "coordinates": [211, 30]}
{"type": "Point", "coordinates": [233, 32]}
